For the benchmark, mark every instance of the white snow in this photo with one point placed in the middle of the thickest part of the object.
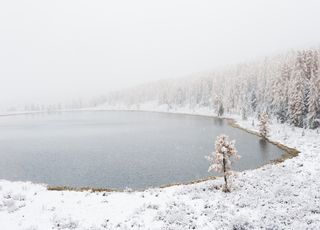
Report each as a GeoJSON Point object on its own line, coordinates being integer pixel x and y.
{"type": "Point", "coordinates": [281, 196]}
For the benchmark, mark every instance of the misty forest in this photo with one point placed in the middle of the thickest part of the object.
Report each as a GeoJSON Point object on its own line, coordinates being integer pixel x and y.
{"type": "Point", "coordinates": [286, 86]}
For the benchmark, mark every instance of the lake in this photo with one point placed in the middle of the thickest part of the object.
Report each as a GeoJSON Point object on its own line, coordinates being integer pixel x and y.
{"type": "Point", "coordinates": [118, 149]}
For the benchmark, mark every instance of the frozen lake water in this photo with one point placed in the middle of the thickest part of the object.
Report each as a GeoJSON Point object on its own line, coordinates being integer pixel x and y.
{"type": "Point", "coordinates": [118, 149]}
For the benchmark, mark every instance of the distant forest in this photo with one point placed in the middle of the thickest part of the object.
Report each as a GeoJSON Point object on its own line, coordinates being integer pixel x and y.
{"type": "Point", "coordinates": [286, 86]}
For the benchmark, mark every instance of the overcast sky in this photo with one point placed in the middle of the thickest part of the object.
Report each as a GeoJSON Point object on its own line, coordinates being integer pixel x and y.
{"type": "Point", "coordinates": [56, 50]}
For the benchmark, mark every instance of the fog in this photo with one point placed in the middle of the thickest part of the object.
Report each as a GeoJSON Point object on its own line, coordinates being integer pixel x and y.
{"type": "Point", "coordinates": [55, 51]}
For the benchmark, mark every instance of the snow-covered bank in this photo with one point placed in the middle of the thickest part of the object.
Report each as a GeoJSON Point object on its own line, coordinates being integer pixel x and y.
{"type": "Point", "coordinates": [282, 196]}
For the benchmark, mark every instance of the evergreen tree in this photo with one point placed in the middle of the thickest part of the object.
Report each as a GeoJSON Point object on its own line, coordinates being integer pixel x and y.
{"type": "Point", "coordinates": [296, 95]}
{"type": "Point", "coordinates": [264, 125]}
{"type": "Point", "coordinates": [313, 104]}
{"type": "Point", "coordinates": [281, 94]}
{"type": "Point", "coordinates": [253, 101]}
{"type": "Point", "coordinates": [220, 109]}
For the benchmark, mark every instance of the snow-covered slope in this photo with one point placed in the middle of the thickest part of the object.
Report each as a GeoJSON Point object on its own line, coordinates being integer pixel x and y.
{"type": "Point", "coordinates": [276, 196]}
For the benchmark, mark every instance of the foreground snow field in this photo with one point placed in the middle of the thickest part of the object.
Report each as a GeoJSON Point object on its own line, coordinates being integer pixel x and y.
{"type": "Point", "coordinates": [276, 196]}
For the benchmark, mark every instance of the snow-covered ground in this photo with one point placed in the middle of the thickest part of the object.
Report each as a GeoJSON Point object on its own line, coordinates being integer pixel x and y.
{"type": "Point", "coordinates": [276, 196]}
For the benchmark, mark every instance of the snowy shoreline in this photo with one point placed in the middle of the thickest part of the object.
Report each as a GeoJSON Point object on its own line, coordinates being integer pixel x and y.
{"type": "Point", "coordinates": [150, 108]}
{"type": "Point", "coordinates": [274, 196]}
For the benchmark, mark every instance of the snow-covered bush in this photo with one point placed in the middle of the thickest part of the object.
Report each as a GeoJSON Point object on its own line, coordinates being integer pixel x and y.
{"type": "Point", "coordinates": [221, 159]}
{"type": "Point", "coordinates": [11, 205]}
{"type": "Point", "coordinates": [65, 223]}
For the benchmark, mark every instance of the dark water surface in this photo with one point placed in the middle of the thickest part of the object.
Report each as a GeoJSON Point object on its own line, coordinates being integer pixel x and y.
{"type": "Point", "coordinates": [108, 149]}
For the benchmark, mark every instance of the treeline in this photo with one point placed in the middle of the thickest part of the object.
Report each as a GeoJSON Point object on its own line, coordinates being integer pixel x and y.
{"type": "Point", "coordinates": [74, 104]}
{"type": "Point", "coordinates": [287, 87]}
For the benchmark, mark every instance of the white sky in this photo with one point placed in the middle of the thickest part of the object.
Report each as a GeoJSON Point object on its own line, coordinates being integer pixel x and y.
{"type": "Point", "coordinates": [57, 50]}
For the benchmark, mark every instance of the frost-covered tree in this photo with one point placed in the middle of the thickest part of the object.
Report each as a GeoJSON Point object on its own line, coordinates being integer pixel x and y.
{"type": "Point", "coordinates": [263, 125]}
{"type": "Point", "coordinates": [296, 98]}
{"type": "Point", "coordinates": [281, 99]}
{"type": "Point", "coordinates": [220, 109]}
{"type": "Point", "coordinates": [313, 104]}
{"type": "Point", "coordinates": [253, 101]}
{"type": "Point", "coordinates": [244, 114]}
{"type": "Point", "coordinates": [221, 159]}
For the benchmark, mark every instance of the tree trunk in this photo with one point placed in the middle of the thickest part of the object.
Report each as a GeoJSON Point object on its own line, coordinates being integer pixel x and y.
{"type": "Point", "coordinates": [226, 189]}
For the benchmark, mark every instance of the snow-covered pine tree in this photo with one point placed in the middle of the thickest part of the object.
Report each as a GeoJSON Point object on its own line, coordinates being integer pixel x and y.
{"type": "Point", "coordinates": [307, 64]}
{"type": "Point", "coordinates": [264, 124]}
{"type": "Point", "coordinates": [296, 95]}
{"type": "Point", "coordinates": [222, 158]}
{"type": "Point", "coordinates": [244, 113]}
{"type": "Point", "coordinates": [220, 109]}
{"type": "Point", "coordinates": [253, 101]}
{"type": "Point", "coordinates": [281, 94]}
{"type": "Point", "coordinates": [313, 103]}
{"type": "Point", "coordinates": [219, 106]}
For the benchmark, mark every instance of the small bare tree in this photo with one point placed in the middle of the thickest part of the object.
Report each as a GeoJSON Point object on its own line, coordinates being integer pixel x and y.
{"type": "Point", "coordinates": [221, 159]}
{"type": "Point", "coordinates": [264, 125]}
